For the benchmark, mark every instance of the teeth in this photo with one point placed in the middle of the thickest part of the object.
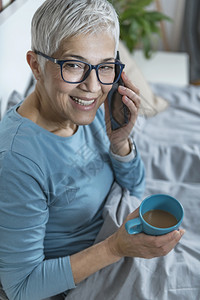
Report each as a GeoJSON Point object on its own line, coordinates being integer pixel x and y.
{"type": "Point", "coordinates": [83, 102]}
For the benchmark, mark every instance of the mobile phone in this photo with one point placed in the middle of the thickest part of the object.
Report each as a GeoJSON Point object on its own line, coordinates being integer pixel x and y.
{"type": "Point", "coordinates": [117, 109]}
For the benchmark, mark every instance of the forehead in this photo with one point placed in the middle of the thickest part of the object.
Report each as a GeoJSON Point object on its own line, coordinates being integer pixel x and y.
{"type": "Point", "coordinates": [90, 46]}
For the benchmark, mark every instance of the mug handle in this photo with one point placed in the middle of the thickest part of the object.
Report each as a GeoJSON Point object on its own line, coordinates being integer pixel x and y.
{"type": "Point", "coordinates": [134, 226]}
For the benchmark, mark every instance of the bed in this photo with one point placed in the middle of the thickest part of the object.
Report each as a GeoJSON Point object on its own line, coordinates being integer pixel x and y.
{"type": "Point", "coordinates": [169, 144]}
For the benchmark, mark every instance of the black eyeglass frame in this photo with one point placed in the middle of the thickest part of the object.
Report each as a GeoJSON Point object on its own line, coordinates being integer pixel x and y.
{"type": "Point", "coordinates": [91, 67]}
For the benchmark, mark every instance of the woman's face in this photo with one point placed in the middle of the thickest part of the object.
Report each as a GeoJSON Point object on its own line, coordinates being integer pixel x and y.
{"type": "Point", "coordinates": [76, 103]}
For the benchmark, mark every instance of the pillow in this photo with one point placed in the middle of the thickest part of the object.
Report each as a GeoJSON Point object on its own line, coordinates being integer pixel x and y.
{"type": "Point", "coordinates": [150, 103]}
{"type": "Point", "coordinates": [14, 98]}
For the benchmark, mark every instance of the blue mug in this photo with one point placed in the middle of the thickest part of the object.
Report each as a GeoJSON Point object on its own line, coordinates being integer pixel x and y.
{"type": "Point", "coordinates": [161, 202]}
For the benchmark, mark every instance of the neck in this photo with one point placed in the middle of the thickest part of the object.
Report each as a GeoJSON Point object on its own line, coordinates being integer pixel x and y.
{"type": "Point", "coordinates": [34, 109]}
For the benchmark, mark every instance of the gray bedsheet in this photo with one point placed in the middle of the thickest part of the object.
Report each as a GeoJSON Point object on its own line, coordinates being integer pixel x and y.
{"type": "Point", "coordinates": [170, 146]}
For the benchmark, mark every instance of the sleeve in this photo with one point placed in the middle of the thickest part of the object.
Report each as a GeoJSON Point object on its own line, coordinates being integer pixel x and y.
{"type": "Point", "coordinates": [24, 271]}
{"type": "Point", "coordinates": [128, 157]}
{"type": "Point", "coordinates": [129, 172]}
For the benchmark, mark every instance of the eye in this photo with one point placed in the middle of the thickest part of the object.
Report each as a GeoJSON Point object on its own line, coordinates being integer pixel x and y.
{"type": "Point", "coordinates": [107, 68]}
{"type": "Point", "coordinates": [73, 66]}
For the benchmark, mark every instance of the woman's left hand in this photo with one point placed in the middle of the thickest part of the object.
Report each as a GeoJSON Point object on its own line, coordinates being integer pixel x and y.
{"type": "Point", "coordinates": [119, 138]}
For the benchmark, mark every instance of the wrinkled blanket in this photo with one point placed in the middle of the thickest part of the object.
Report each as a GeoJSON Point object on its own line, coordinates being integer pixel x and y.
{"type": "Point", "coordinates": [169, 144]}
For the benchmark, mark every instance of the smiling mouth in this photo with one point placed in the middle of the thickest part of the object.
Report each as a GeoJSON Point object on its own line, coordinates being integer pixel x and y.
{"type": "Point", "coordinates": [83, 102]}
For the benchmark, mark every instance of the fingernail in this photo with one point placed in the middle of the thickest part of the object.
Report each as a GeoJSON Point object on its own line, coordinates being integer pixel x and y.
{"type": "Point", "coordinates": [124, 75]}
{"type": "Point", "coordinates": [182, 232]}
{"type": "Point", "coordinates": [176, 234]}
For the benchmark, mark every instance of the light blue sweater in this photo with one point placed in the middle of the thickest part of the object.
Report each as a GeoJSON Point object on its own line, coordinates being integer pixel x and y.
{"type": "Point", "coordinates": [52, 193]}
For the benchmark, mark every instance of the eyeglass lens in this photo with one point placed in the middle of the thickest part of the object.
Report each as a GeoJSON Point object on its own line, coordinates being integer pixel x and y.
{"type": "Point", "coordinates": [74, 71]}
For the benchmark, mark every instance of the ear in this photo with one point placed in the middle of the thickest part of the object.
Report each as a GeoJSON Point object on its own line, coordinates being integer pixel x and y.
{"type": "Point", "coordinates": [34, 65]}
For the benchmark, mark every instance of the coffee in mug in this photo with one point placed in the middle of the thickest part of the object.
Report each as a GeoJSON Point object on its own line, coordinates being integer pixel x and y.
{"type": "Point", "coordinates": [159, 218]}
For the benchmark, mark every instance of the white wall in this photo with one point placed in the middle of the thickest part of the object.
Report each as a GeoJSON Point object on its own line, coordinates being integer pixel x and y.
{"type": "Point", "coordinates": [15, 23]}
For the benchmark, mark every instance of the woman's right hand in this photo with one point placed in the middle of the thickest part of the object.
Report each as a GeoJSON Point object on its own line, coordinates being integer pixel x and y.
{"type": "Point", "coordinates": [122, 244]}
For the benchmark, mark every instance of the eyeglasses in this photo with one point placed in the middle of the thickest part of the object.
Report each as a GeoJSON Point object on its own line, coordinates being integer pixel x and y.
{"type": "Point", "coordinates": [76, 71]}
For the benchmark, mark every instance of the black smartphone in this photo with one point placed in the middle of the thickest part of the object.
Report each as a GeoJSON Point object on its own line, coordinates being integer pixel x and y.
{"type": "Point", "coordinates": [117, 109]}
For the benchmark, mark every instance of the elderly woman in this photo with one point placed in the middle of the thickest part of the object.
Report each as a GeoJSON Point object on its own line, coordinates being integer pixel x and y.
{"type": "Point", "coordinates": [59, 157]}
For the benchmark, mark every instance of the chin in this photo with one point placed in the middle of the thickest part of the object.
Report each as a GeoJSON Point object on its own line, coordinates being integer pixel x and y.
{"type": "Point", "coordinates": [84, 117]}
{"type": "Point", "coordinates": [85, 121]}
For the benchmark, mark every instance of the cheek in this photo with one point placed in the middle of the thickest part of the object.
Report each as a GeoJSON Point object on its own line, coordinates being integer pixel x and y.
{"type": "Point", "coordinates": [106, 89]}
{"type": "Point", "coordinates": [53, 76]}
{"type": "Point", "coordinates": [57, 86]}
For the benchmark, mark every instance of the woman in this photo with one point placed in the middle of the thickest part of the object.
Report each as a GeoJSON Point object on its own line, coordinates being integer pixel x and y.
{"type": "Point", "coordinates": [59, 157]}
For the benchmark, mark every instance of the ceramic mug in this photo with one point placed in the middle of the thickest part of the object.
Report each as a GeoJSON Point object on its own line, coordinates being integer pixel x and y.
{"type": "Point", "coordinates": [152, 213]}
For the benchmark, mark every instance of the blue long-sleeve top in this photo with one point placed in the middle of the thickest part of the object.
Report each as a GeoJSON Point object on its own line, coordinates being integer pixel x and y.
{"type": "Point", "coordinates": [52, 193]}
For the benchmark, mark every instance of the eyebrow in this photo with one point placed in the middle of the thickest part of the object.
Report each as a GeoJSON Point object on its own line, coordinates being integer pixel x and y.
{"type": "Point", "coordinates": [78, 57]}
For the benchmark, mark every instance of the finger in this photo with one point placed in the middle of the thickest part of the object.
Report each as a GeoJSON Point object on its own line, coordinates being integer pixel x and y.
{"type": "Point", "coordinates": [132, 113]}
{"type": "Point", "coordinates": [177, 235]}
{"type": "Point", "coordinates": [132, 108]}
{"type": "Point", "coordinates": [133, 215]}
{"type": "Point", "coordinates": [172, 237]}
{"type": "Point", "coordinates": [154, 246]}
{"type": "Point", "coordinates": [165, 249]}
{"type": "Point", "coordinates": [130, 94]}
{"type": "Point", "coordinates": [129, 84]}
{"type": "Point", "coordinates": [166, 241]}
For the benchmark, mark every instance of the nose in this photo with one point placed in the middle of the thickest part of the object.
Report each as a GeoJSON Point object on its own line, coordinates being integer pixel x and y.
{"type": "Point", "coordinates": [91, 82]}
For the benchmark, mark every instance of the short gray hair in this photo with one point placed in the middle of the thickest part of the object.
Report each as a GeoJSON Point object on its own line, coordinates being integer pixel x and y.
{"type": "Point", "coordinates": [56, 20]}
